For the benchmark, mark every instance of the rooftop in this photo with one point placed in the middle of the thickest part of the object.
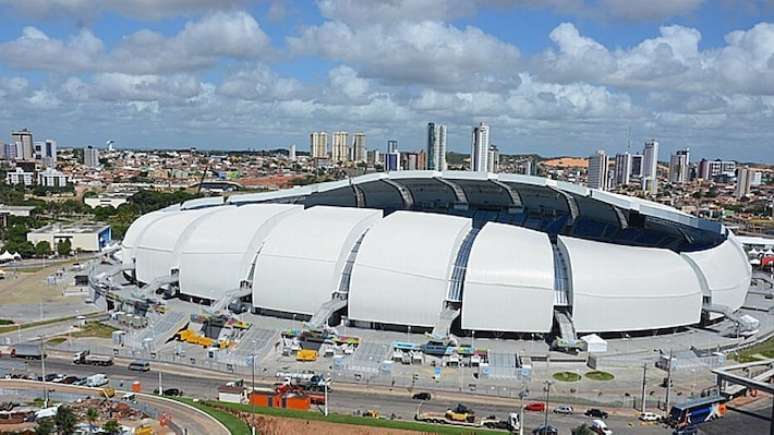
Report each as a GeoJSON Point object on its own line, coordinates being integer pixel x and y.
{"type": "Point", "coordinates": [77, 228]}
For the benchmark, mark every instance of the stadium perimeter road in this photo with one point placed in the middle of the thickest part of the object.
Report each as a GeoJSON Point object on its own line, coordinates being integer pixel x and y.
{"type": "Point", "coordinates": [195, 421]}
{"type": "Point", "coordinates": [344, 399]}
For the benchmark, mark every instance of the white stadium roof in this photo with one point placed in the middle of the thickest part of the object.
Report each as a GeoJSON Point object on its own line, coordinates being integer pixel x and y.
{"type": "Point", "coordinates": [401, 273]}
{"type": "Point", "coordinates": [509, 283]}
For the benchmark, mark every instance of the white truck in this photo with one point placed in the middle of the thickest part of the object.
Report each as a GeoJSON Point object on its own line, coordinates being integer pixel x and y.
{"type": "Point", "coordinates": [85, 357]}
{"type": "Point", "coordinates": [97, 380]}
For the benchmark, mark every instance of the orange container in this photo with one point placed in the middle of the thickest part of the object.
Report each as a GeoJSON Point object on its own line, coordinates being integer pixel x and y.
{"type": "Point", "coordinates": [300, 403]}
{"type": "Point", "coordinates": [136, 387]}
{"type": "Point", "coordinates": [260, 399]}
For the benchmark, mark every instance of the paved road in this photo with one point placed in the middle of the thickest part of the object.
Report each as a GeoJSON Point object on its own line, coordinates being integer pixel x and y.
{"type": "Point", "coordinates": [184, 416]}
{"type": "Point", "coordinates": [344, 399]}
{"type": "Point", "coordinates": [749, 420]}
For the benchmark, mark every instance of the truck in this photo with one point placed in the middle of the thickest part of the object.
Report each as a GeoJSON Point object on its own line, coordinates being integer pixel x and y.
{"type": "Point", "coordinates": [26, 351]}
{"type": "Point", "coordinates": [461, 415]}
{"type": "Point", "coordinates": [85, 357]}
{"type": "Point", "coordinates": [97, 380]}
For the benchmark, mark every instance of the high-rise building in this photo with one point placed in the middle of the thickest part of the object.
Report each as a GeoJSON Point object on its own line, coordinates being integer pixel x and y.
{"type": "Point", "coordinates": [340, 146]}
{"type": "Point", "coordinates": [392, 146]}
{"type": "Point", "coordinates": [409, 161]}
{"type": "Point", "coordinates": [359, 147]}
{"type": "Point", "coordinates": [292, 153]}
{"type": "Point", "coordinates": [679, 165]}
{"type": "Point", "coordinates": [374, 157]}
{"type": "Point", "coordinates": [597, 174]}
{"type": "Point", "coordinates": [392, 161]}
{"type": "Point", "coordinates": [49, 153]}
{"type": "Point", "coordinates": [422, 160]}
{"type": "Point", "coordinates": [709, 169]}
{"type": "Point", "coordinates": [436, 146]}
{"type": "Point", "coordinates": [636, 165]}
{"type": "Point", "coordinates": [51, 178]}
{"type": "Point", "coordinates": [650, 167]}
{"type": "Point", "coordinates": [318, 145]}
{"type": "Point", "coordinates": [91, 157]}
{"type": "Point", "coordinates": [525, 167]}
{"type": "Point", "coordinates": [10, 151]}
{"type": "Point", "coordinates": [24, 138]}
{"type": "Point", "coordinates": [493, 159]}
{"type": "Point", "coordinates": [744, 181]}
{"type": "Point", "coordinates": [479, 151]}
{"type": "Point", "coordinates": [623, 168]}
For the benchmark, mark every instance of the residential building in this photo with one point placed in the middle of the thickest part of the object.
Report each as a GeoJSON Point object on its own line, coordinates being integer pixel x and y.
{"type": "Point", "coordinates": [479, 151]}
{"type": "Point", "coordinates": [623, 169]}
{"type": "Point", "coordinates": [318, 144]}
{"type": "Point", "coordinates": [91, 157]}
{"type": "Point", "coordinates": [392, 146]}
{"type": "Point", "coordinates": [650, 167]}
{"type": "Point", "coordinates": [392, 161]}
{"type": "Point", "coordinates": [709, 169]}
{"type": "Point", "coordinates": [679, 165]}
{"type": "Point", "coordinates": [10, 151]}
{"type": "Point", "coordinates": [340, 147]}
{"type": "Point", "coordinates": [744, 181]}
{"type": "Point", "coordinates": [493, 159]}
{"type": "Point", "coordinates": [597, 174]}
{"type": "Point", "coordinates": [26, 147]}
{"type": "Point", "coordinates": [51, 178]}
{"type": "Point", "coordinates": [525, 167]}
{"type": "Point", "coordinates": [636, 170]}
{"type": "Point", "coordinates": [292, 153]}
{"type": "Point", "coordinates": [20, 176]}
{"type": "Point", "coordinates": [409, 161]}
{"type": "Point", "coordinates": [359, 147]}
{"type": "Point", "coordinates": [374, 157]}
{"type": "Point", "coordinates": [436, 146]}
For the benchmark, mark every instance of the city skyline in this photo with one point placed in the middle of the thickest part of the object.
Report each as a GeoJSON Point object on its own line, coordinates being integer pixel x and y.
{"type": "Point", "coordinates": [270, 72]}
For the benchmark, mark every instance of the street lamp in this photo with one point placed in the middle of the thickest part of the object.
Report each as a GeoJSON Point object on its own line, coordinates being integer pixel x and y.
{"type": "Point", "coordinates": [548, 390]}
{"type": "Point", "coordinates": [522, 394]}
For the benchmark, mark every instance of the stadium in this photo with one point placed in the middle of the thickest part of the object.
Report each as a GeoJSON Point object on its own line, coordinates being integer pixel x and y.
{"type": "Point", "coordinates": [446, 252]}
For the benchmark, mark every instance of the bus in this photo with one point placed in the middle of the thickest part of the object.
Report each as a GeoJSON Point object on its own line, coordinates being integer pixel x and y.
{"type": "Point", "coordinates": [698, 410]}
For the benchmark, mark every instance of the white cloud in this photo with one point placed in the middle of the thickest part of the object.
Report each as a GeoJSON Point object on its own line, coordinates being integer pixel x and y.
{"type": "Point", "coordinates": [648, 10]}
{"type": "Point", "coordinates": [259, 83]}
{"type": "Point", "coordinates": [35, 50]}
{"type": "Point", "coordinates": [424, 52]}
{"type": "Point", "coordinates": [144, 9]}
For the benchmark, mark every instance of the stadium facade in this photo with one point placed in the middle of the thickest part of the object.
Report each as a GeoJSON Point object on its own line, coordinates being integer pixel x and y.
{"type": "Point", "coordinates": [483, 252]}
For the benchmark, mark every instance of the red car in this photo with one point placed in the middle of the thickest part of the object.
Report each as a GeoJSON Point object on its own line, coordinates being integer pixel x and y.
{"type": "Point", "coordinates": [536, 406]}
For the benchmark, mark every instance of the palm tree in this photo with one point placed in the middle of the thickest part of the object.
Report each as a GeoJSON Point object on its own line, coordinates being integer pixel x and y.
{"type": "Point", "coordinates": [92, 415]}
{"type": "Point", "coordinates": [65, 421]}
{"type": "Point", "coordinates": [112, 427]}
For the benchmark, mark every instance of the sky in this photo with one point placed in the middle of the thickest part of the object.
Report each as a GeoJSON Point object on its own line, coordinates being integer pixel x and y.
{"type": "Point", "coordinates": [553, 77]}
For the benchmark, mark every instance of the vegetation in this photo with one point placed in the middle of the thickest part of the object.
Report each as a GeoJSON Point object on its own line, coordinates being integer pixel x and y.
{"type": "Point", "coordinates": [95, 329]}
{"type": "Point", "coordinates": [349, 419]}
{"type": "Point", "coordinates": [64, 247]}
{"type": "Point", "coordinates": [597, 375]}
{"type": "Point", "coordinates": [758, 352]}
{"type": "Point", "coordinates": [45, 427]}
{"type": "Point", "coordinates": [14, 327]}
{"type": "Point", "coordinates": [111, 427]}
{"type": "Point", "coordinates": [43, 249]}
{"type": "Point", "coordinates": [234, 425]}
{"type": "Point", "coordinates": [65, 421]}
{"type": "Point", "coordinates": [583, 429]}
{"type": "Point", "coordinates": [567, 376]}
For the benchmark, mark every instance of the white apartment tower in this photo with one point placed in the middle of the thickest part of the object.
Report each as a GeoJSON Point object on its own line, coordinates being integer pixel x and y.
{"type": "Point", "coordinates": [318, 143]}
{"type": "Point", "coordinates": [597, 174]}
{"type": "Point", "coordinates": [340, 146]}
{"type": "Point", "coordinates": [678, 166]}
{"type": "Point", "coordinates": [91, 157]}
{"type": "Point", "coordinates": [479, 151]}
{"type": "Point", "coordinates": [436, 146]}
{"type": "Point", "coordinates": [744, 180]}
{"type": "Point", "coordinates": [623, 168]}
{"type": "Point", "coordinates": [23, 139]}
{"type": "Point", "coordinates": [493, 159]}
{"type": "Point", "coordinates": [359, 147]}
{"type": "Point", "coordinates": [650, 167]}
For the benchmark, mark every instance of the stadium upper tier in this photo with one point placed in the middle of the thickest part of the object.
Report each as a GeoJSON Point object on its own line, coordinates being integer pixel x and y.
{"type": "Point", "coordinates": [502, 252]}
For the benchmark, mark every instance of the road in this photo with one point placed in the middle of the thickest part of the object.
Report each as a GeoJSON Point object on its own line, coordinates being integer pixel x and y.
{"type": "Point", "coordinates": [195, 421]}
{"type": "Point", "coordinates": [343, 399]}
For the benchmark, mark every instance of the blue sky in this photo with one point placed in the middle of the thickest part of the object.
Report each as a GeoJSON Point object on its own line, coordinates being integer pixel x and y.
{"type": "Point", "coordinates": [552, 77]}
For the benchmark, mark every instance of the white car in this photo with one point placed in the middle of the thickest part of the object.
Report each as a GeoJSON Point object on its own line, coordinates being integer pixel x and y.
{"type": "Point", "coordinates": [649, 416]}
{"type": "Point", "coordinates": [564, 409]}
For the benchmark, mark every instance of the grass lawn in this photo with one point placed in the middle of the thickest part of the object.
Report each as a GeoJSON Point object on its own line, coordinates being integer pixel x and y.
{"type": "Point", "coordinates": [56, 340]}
{"type": "Point", "coordinates": [357, 421]}
{"type": "Point", "coordinates": [567, 377]}
{"type": "Point", "coordinates": [233, 424]}
{"type": "Point", "coordinates": [6, 322]}
{"type": "Point", "coordinates": [596, 375]}
{"type": "Point", "coordinates": [10, 328]}
{"type": "Point", "coordinates": [95, 329]}
{"type": "Point", "coordinates": [766, 349]}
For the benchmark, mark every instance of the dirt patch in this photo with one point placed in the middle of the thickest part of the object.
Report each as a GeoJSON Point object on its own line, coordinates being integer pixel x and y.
{"type": "Point", "coordinates": [21, 287]}
{"type": "Point", "coordinates": [281, 426]}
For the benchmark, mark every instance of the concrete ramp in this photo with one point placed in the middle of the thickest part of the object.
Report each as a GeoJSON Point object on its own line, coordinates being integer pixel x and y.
{"type": "Point", "coordinates": [326, 310]}
{"type": "Point", "coordinates": [161, 331]}
{"type": "Point", "coordinates": [445, 319]}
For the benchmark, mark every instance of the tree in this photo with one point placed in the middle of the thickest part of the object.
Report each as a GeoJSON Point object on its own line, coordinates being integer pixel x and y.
{"type": "Point", "coordinates": [42, 249]}
{"type": "Point", "coordinates": [44, 427]}
{"type": "Point", "coordinates": [112, 427]}
{"type": "Point", "coordinates": [65, 421]}
{"type": "Point", "coordinates": [63, 247]}
{"type": "Point", "coordinates": [92, 415]}
{"type": "Point", "coordinates": [583, 429]}
{"type": "Point", "coordinates": [25, 249]}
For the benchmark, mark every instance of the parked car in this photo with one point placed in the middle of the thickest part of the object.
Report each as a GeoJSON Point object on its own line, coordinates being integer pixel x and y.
{"type": "Point", "coordinates": [545, 430]}
{"type": "Point", "coordinates": [563, 409]}
{"type": "Point", "coordinates": [688, 430]}
{"type": "Point", "coordinates": [51, 377]}
{"type": "Point", "coordinates": [536, 406]}
{"type": "Point", "coordinates": [649, 416]}
{"type": "Point", "coordinates": [422, 396]}
{"type": "Point", "coordinates": [170, 392]}
{"type": "Point", "coordinates": [596, 413]}
{"type": "Point", "coordinates": [69, 380]}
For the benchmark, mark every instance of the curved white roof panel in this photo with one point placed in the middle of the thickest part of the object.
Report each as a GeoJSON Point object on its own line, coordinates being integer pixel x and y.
{"type": "Point", "coordinates": [626, 288]}
{"type": "Point", "coordinates": [509, 282]}
{"type": "Point", "coordinates": [301, 263]}
{"type": "Point", "coordinates": [134, 233]}
{"type": "Point", "coordinates": [401, 273]}
{"type": "Point", "coordinates": [155, 249]}
{"type": "Point", "coordinates": [725, 272]}
{"type": "Point", "coordinates": [216, 256]}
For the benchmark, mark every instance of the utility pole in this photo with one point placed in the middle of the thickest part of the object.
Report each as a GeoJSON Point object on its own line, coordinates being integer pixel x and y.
{"type": "Point", "coordinates": [669, 383]}
{"type": "Point", "coordinates": [252, 393]}
{"type": "Point", "coordinates": [644, 373]}
{"type": "Point", "coordinates": [43, 370]}
{"type": "Point", "coordinates": [548, 389]}
{"type": "Point", "coordinates": [522, 394]}
{"type": "Point", "coordinates": [161, 390]}
{"type": "Point", "coordinates": [325, 385]}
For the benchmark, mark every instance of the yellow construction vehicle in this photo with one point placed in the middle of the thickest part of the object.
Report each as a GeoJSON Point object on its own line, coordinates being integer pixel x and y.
{"type": "Point", "coordinates": [461, 413]}
{"type": "Point", "coordinates": [373, 413]}
{"type": "Point", "coordinates": [306, 355]}
{"type": "Point", "coordinates": [143, 430]}
{"type": "Point", "coordinates": [108, 392]}
{"type": "Point", "coordinates": [193, 337]}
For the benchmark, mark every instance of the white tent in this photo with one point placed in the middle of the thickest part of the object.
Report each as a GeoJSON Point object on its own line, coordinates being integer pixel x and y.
{"type": "Point", "coordinates": [768, 252]}
{"type": "Point", "coordinates": [6, 256]}
{"type": "Point", "coordinates": [754, 251]}
{"type": "Point", "coordinates": [16, 255]}
{"type": "Point", "coordinates": [594, 343]}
